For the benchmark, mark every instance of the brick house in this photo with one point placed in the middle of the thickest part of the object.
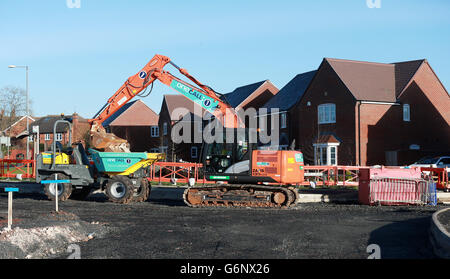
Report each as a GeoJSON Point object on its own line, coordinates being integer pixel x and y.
{"type": "Point", "coordinates": [280, 105]}
{"type": "Point", "coordinates": [138, 124]}
{"type": "Point", "coordinates": [252, 95]}
{"type": "Point", "coordinates": [15, 134]}
{"type": "Point", "coordinates": [176, 108]}
{"type": "Point", "coordinates": [80, 128]}
{"type": "Point", "coordinates": [364, 113]}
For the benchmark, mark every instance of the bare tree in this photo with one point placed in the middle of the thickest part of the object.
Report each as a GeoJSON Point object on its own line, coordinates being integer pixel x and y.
{"type": "Point", "coordinates": [13, 104]}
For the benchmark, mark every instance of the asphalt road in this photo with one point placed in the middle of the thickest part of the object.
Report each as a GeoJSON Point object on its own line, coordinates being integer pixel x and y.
{"type": "Point", "coordinates": [169, 229]}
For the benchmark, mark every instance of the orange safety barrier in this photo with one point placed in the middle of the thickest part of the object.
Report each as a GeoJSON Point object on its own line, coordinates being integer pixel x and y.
{"type": "Point", "coordinates": [439, 176]}
{"type": "Point", "coordinates": [174, 171]}
{"type": "Point", "coordinates": [14, 168]}
{"type": "Point", "coordinates": [332, 175]}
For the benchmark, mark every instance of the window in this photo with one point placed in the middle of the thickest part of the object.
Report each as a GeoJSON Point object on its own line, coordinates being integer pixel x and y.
{"type": "Point", "coordinates": [59, 137]}
{"type": "Point", "coordinates": [444, 161]}
{"type": "Point", "coordinates": [325, 154]}
{"type": "Point", "coordinates": [333, 155]}
{"type": "Point", "coordinates": [194, 152]}
{"type": "Point", "coordinates": [327, 113]}
{"type": "Point", "coordinates": [154, 130]}
{"type": "Point", "coordinates": [165, 128]}
{"type": "Point", "coordinates": [406, 113]}
{"type": "Point", "coordinates": [283, 120]}
{"type": "Point", "coordinates": [154, 150]}
{"type": "Point", "coordinates": [47, 137]}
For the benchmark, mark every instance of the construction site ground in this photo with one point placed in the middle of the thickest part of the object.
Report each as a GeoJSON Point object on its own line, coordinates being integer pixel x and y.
{"type": "Point", "coordinates": [166, 228]}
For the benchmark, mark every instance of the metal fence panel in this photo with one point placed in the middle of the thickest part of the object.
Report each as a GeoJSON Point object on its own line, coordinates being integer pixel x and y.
{"type": "Point", "coordinates": [398, 191]}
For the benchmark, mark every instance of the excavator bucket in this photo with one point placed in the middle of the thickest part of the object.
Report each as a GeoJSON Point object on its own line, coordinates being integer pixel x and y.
{"type": "Point", "coordinates": [108, 142]}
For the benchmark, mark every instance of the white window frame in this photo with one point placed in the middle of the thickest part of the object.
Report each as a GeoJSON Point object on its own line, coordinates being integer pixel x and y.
{"type": "Point", "coordinates": [163, 149]}
{"type": "Point", "coordinates": [194, 152]}
{"type": "Point", "coordinates": [154, 150]}
{"type": "Point", "coordinates": [59, 137]}
{"type": "Point", "coordinates": [326, 113]}
{"type": "Point", "coordinates": [406, 113]}
{"type": "Point", "coordinates": [154, 131]}
{"type": "Point", "coordinates": [283, 119]}
{"type": "Point", "coordinates": [165, 128]}
{"type": "Point", "coordinates": [47, 137]}
{"type": "Point", "coordinates": [319, 148]}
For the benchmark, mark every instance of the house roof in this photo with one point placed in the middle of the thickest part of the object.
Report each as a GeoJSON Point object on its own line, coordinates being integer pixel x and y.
{"type": "Point", "coordinates": [404, 72]}
{"type": "Point", "coordinates": [18, 121]}
{"type": "Point", "coordinates": [175, 102]}
{"type": "Point", "coordinates": [239, 94]}
{"type": "Point", "coordinates": [330, 138]}
{"type": "Point", "coordinates": [46, 123]}
{"type": "Point", "coordinates": [113, 117]}
{"type": "Point", "coordinates": [367, 81]}
{"type": "Point", "coordinates": [133, 114]}
{"type": "Point", "coordinates": [291, 93]}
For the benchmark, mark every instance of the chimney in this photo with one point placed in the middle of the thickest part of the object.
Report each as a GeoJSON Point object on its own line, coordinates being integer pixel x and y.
{"type": "Point", "coordinates": [75, 119]}
{"type": "Point", "coordinates": [74, 126]}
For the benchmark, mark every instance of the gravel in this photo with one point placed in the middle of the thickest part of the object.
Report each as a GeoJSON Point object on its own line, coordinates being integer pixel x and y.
{"type": "Point", "coordinates": [45, 235]}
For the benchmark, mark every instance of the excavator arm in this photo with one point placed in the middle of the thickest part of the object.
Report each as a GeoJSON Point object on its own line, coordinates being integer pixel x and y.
{"type": "Point", "coordinates": [201, 94]}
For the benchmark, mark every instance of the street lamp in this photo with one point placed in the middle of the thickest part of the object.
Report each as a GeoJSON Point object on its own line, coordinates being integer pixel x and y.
{"type": "Point", "coordinates": [28, 138]}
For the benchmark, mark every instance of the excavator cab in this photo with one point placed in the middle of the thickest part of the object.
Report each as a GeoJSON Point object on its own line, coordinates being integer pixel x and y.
{"type": "Point", "coordinates": [244, 160]}
{"type": "Point", "coordinates": [222, 156]}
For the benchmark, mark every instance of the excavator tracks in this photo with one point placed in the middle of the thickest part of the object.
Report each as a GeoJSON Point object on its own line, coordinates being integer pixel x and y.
{"type": "Point", "coordinates": [240, 196]}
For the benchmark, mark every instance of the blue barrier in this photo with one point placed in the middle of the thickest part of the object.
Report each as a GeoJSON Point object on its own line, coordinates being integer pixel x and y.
{"type": "Point", "coordinates": [54, 181]}
{"type": "Point", "coordinates": [432, 194]}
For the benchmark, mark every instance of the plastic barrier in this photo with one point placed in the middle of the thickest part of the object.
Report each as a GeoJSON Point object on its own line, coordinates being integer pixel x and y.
{"type": "Point", "coordinates": [395, 186]}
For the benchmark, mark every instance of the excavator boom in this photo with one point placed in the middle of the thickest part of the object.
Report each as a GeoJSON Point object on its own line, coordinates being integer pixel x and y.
{"type": "Point", "coordinates": [201, 94]}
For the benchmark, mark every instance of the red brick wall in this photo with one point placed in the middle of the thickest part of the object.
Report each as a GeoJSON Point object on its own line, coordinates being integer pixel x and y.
{"type": "Point", "coordinates": [303, 118]}
{"type": "Point", "coordinates": [165, 140]}
{"type": "Point", "coordinates": [48, 143]}
{"type": "Point", "coordinates": [379, 132]}
{"type": "Point", "coordinates": [383, 128]}
{"type": "Point", "coordinates": [139, 137]}
{"type": "Point", "coordinates": [18, 128]}
{"type": "Point", "coordinates": [428, 128]}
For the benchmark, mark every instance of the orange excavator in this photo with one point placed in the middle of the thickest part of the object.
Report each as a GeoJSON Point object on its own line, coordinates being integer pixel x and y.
{"type": "Point", "coordinates": [135, 85]}
{"type": "Point", "coordinates": [246, 175]}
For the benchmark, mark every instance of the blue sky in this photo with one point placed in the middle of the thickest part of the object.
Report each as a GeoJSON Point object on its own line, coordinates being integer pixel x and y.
{"type": "Point", "coordinates": [79, 57]}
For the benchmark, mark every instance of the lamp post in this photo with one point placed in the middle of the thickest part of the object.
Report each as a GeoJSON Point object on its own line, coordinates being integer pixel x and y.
{"type": "Point", "coordinates": [28, 138]}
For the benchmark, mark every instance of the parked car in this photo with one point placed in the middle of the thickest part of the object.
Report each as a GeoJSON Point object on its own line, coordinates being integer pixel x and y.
{"type": "Point", "coordinates": [433, 162]}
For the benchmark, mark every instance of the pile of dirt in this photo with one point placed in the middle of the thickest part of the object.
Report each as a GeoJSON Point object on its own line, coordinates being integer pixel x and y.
{"type": "Point", "coordinates": [47, 236]}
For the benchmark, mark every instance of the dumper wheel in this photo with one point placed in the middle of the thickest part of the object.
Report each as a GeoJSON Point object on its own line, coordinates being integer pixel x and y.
{"type": "Point", "coordinates": [142, 192]}
{"type": "Point", "coordinates": [80, 194]}
{"type": "Point", "coordinates": [64, 189]}
{"type": "Point", "coordinates": [119, 189]}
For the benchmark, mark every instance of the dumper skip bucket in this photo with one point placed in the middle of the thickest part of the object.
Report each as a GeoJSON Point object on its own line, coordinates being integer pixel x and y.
{"type": "Point", "coordinates": [116, 162]}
